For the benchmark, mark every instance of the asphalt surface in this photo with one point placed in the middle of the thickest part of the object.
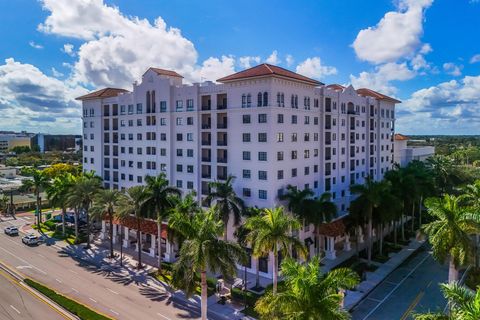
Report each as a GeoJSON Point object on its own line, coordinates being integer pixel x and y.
{"type": "Point", "coordinates": [411, 288]}
{"type": "Point", "coordinates": [120, 294]}
{"type": "Point", "coordinates": [18, 303]}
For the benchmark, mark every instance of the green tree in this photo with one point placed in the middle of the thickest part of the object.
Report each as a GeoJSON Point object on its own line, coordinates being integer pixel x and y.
{"type": "Point", "coordinates": [450, 233]}
{"type": "Point", "coordinates": [272, 232]}
{"type": "Point", "coordinates": [38, 183]}
{"type": "Point", "coordinates": [133, 204]}
{"type": "Point", "coordinates": [203, 251]}
{"type": "Point", "coordinates": [58, 193]}
{"type": "Point", "coordinates": [184, 209]}
{"type": "Point", "coordinates": [227, 202]}
{"type": "Point", "coordinates": [160, 201]}
{"type": "Point", "coordinates": [105, 204]}
{"type": "Point", "coordinates": [320, 210]}
{"type": "Point", "coordinates": [464, 304]}
{"type": "Point", "coordinates": [307, 293]}
{"type": "Point", "coordinates": [370, 194]}
{"type": "Point", "coordinates": [472, 194]}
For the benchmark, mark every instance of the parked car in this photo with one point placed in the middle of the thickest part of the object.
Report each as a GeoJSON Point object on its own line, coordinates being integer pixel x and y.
{"type": "Point", "coordinates": [11, 231]}
{"type": "Point", "coordinates": [31, 239]}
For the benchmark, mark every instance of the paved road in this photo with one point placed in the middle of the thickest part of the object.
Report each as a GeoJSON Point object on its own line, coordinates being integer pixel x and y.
{"type": "Point", "coordinates": [18, 303]}
{"type": "Point", "coordinates": [120, 294]}
{"type": "Point", "coordinates": [411, 288]}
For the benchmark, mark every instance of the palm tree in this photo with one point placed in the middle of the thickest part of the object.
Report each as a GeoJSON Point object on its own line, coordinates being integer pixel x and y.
{"type": "Point", "coordinates": [308, 293]}
{"type": "Point", "coordinates": [450, 233]}
{"type": "Point", "coordinates": [203, 251]}
{"type": "Point", "coordinates": [83, 194]}
{"type": "Point", "coordinates": [321, 210]}
{"type": "Point", "coordinates": [370, 194]}
{"type": "Point", "coordinates": [37, 184]}
{"type": "Point", "coordinates": [271, 232]}
{"type": "Point", "coordinates": [442, 168]}
{"type": "Point", "coordinates": [160, 201]}
{"type": "Point", "coordinates": [227, 202]}
{"type": "Point", "coordinates": [464, 304]}
{"type": "Point", "coordinates": [105, 204]}
{"type": "Point", "coordinates": [58, 193]}
{"type": "Point", "coordinates": [4, 203]}
{"type": "Point", "coordinates": [296, 199]}
{"type": "Point", "coordinates": [472, 194]}
{"type": "Point", "coordinates": [133, 203]}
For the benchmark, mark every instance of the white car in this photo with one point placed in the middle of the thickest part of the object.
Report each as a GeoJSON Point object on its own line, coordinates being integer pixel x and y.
{"type": "Point", "coordinates": [30, 239]}
{"type": "Point", "coordinates": [11, 231]}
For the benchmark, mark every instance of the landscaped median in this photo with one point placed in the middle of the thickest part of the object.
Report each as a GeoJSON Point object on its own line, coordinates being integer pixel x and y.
{"type": "Point", "coordinates": [68, 304]}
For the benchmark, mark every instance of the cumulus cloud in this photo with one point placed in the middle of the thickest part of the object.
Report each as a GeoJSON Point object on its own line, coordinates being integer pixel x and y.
{"type": "Point", "coordinates": [289, 60]}
{"type": "Point", "coordinates": [475, 58]}
{"type": "Point", "coordinates": [380, 78]}
{"type": "Point", "coordinates": [214, 68]}
{"type": "Point", "coordinates": [56, 73]}
{"type": "Point", "coordinates": [313, 68]}
{"type": "Point", "coordinates": [452, 69]}
{"type": "Point", "coordinates": [30, 94]}
{"type": "Point", "coordinates": [273, 58]}
{"type": "Point", "coordinates": [395, 36]}
{"type": "Point", "coordinates": [248, 61]}
{"type": "Point", "coordinates": [68, 49]}
{"type": "Point", "coordinates": [35, 45]}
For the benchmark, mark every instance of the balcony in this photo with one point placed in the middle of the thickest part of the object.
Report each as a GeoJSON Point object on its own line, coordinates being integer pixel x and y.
{"type": "Point", "coordinates": [222, 160]}
{"type": "Point", "coordinates": [328, 142]}
{"type": "Point", "coordinates": [222, 143]}
{"type": "Point", "coordinates": [206, 126]}
{"type": "Point", "coordinates": [206, 175]}
{"type": "Point", "coordinates": [206, 159]}
{"type": "Point", "coordinates": [221, 125]}
{"type": "Point", "coordinates": [328, 172]}
{"type": "Point", "coordinates": [221, 107]}
{"type": "Point", "coordinates": [206, 142]}
{"type": "Point", "coordinates": [221, 176]}
{"type": "Point", "coordinates": [206, 108]}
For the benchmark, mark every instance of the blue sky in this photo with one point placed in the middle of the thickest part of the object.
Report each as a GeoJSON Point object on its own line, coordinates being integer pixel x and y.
{"type": "Point", "coordinates": [424, 52]}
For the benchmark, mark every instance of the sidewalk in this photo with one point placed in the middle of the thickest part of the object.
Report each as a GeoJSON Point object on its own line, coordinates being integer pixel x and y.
{"type": "Point", "coordinates": [352, 298]}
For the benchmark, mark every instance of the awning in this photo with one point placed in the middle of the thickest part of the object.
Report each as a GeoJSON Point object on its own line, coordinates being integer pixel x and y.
{"type": "Point", "coordinates": [146, 225]}
{"type": "Point", "coordinates": [333, 229]}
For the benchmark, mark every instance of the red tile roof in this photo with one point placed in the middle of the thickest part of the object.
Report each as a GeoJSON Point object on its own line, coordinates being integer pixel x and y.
{"type": "Point", "coordinates": [401, 137]}
{"type": "Point", "coordinates": [146, 225]}
{"type": "Point", "coordinates": [165, 72]}
{"type": "Point", "coordinates": [376, 95]}
{"type": "Point", "coordinates": [332, 229]}
{"type": "Point", "coordinates": [335, 87]}
{"type": "Point", "coordinates": [102, 93]}
{"type": "Point", "coordinates": [266, 69]}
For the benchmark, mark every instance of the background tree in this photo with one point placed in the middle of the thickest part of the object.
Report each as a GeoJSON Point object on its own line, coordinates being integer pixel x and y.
{"type": "Point", "coordinates": [227, 202]}
{"type": "Point", "coordinates": [202, 251]}
{"type": "Point", "coordinates": [38, 182]}
{"type": "Point", "coordinates": [160, 201]}
{"type": "Point", "coordinates": [308, 293]}
{"type": "Point", "coordinates": [272, 233]}
{"type": "Point", "coordinates": [58, 193]}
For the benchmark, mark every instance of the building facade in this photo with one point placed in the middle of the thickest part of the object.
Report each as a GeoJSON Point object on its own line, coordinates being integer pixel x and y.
{"type": "Point", "coordinates": [8, 141]}
{"type": "Point", "coordinates": [404, 154]}
{"type": "Point", "coordinates": [267, 126]}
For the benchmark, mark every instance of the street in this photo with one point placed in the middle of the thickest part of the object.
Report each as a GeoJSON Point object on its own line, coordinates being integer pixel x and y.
{"type": "Point", "coordinates": [120, 294]}
{"type": "Point", "coordinates": [411, 288]}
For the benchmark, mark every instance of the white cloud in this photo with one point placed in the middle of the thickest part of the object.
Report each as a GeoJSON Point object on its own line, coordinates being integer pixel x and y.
{"type": "Point", "coordinates": [29, 98]}
{"type": "Point", "coordinates": [35, 45]}
{"type": "Point", "coordinates": [248, 61]}
{"type": "Point", "coordinates": [313, 68]}
{"type": "Point", "coordinates": [380, 79]}
{"type": "Point", "coordinates": [475, 58]}
{"type": "Point", "coordinates": [56, 73]}
{"type": "Point", "coordinates": [214, 68]}
{"type": "Point", "coordinates": [397, 34]}
{"type": "Point", "coordinates": [452, 69]}
{"type": "Point", "coordinates": [273, 58]}
{"type": "Point", "coordinates": [68, 49]}
{"type": "Point", "coordinates": [289, 60]}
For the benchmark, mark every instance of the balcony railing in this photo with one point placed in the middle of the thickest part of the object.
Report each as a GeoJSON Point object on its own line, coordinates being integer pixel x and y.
{"type": "Point", "coordinates": [221, 126]}
{"type": "Point", "coordinates": [206, 142]}
{"type": "Point", "coordinates": [205, 108]}
{"type": "Point", "coordinates": [206, 126]}
{"type": "Point", "coordinates": [206, 159]}
{"type": "Point", "coordinates": [222, 160]}
{"type": "Point", "coordinates": [221, 176]}
{"type": "Point", "coordinates": [206, 175]}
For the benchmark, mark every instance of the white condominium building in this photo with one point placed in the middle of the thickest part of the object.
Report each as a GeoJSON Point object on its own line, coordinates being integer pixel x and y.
{"type": "Point", "coordinates": [267, 126]}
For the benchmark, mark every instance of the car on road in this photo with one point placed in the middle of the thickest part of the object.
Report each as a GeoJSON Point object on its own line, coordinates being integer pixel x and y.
{"type": "Point", "coordinates": [11, 231]}
{"type": "Point", "coordinates": [31, 239]}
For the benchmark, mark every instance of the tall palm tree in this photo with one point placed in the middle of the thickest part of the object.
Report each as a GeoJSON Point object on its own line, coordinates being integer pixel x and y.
{"type": "Point", "coordinates": [227, 202]}
{"type": "Point", "coordinates": [450, 233]}
{"type": "Point", "coordinates": [272, 233]}
{"type": "Point", "coordinates": [203, 251]}
{"type": "Point", "coordinates": [83, 194]}
{"type": "Point", "coordinates": [321, 210]}
{"type": "Point", "coordinates": [464, 304]}
{"type": "Point", "coordinates": [160, 201]}
{"type": "Point", "coordinates": [442, 168]}
{"type": "Point", "coordinates": [133, 203]}
{"type": "Point", "coordinates": [58, 193]}
{"type": "Point", "coordinates": [472, 194]}
{"type": "Point", "coordinates": [296, 199]}
{"type": "Point", "coordinates": [105, 204]}
{"type": "Point", "coordinates": [308, 293]}
{"type": "Point", "coordinates": [37, 184]}
{"type": "Point", "coordinates": [370, 194]}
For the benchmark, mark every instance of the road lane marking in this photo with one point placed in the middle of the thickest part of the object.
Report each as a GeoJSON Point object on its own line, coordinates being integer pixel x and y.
{"type": "Point", "coordinates": [93, 300]}
{"type": "Point", "coordinates": [15, 309]}
{"type": "Point", "coordinates": [413, 305]}
{"type": "Point", "coordinates": [115, 292]}
{"type": "Point", "coordinates": [376, 300]}
{"type": "Point", "coordinates": [390, 282]}
{"type": "Point", "coordinates": [41, 255]}
{"type": "Point", "coordinates": [74, 290]}
{"type": "Point", "coordinates": [161, 315]}
{"type": "Point", "coordinates": [75, 272]}
{"type": "Point", "coordinates": [115, 312]}
{"type": "Point", "coordinates": [23, 260]}
{"type": "Point", "coordinates": [58, 280]}
{"type": "Point", "coordinates": [395, 288]}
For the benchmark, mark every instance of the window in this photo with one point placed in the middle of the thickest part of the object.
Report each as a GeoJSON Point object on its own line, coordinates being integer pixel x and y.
{"type": "Point", "coordinates": [262, 137]}
{"type": "Point", "coordinates": [190, 153]}
{"type": "Point", "coordinates": [307, 120]}
{"type": "Point", "coordinates": [280, 174]}
{"type": "Point", "coordinates": [294, 137]}
{"type": "Point", "coordinates": [179, 105]}
{"type": "Point", "coordinates": [246, 118]}
{"type": "Point", "coordinates": [179, 137]}
{"type": "Point", "coordinates": [190, 121]}
{"type": "Point", "coordinates": [262, 118]}
{"type": "Point", "coordinates": [244, 100]}
{"type": "Point", "coordinates": [189, 104]}
{"type": "Point", "coordinates": [179, 121]}
{"type": "Point", "coordinates": [262, 156]}
{"type": "Point", "coordinates": [246, 174]}
{"type": "Point", "coordinates": [279, 118]}
{"type": "Point", "coordinates": [179, 183]}
{"type": "Point", "coordinates": [280, 156]}
{"type": "Point", "coordinates": [139, 108]}
{"type": "Point", "coordinates": [306, 154]}
{"type": "Point", "coordinates": [307, 171]}
{"type": "Point", "coordinates": [189, 136]}
{"type": "Point", "coordinates": [139, 179]}
{"type": "Point", "coordinates": [247, 192]}
{"type": "Point", "coordinates": [294, 172]}
{"type": "Point", "coordinates": [259, 99]}
{"type": "Point", "coordinates": [294, 154]}
{"type": "Point", "coordinates": [139, 122]}
{"type": "Point", "coordinates": [262, 175]}
{"type": "Point", "coordinates": [189, 184]}
{"type": "Point", "coordinates": [280, 137]}
{"type": "Point", "coordinates": [294, 119]}
{"type": "Point", "coordinates": [179, 168]}
{"type": "Point", "coordinates": [139, 136]}
{"type": "Point", "coordinates": [265, 99]}
{"type": "Point", "coordinates": [163, 121]}
{"type": "Point", "coordinates": [179, 152]}
{"type": "Point", "coordinates": [246, 137]}
{"type": "Point", "coordinates": [249, 100]}
{"type": "Point", "coordinates": [246, 155]}
{"type": "Point", "coordinates": [163, 106]}
{"type": "Point", "coordinates": [190, 169]}
{"type": "Point", "coordinates": [262, 194]}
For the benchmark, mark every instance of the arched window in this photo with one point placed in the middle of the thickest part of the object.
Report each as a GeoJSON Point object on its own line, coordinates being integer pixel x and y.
{"type": "Point", "coordinates": [283, 100]}
{"type": "Point", "coordinates": [259, 102]}
{"type": "Point", "coordinates": [265, 99]}
{"type": "Point", "coordinates": [148, 101]}
{"type": "Point", "coordinates": [278, 99]}
{"type": "Point", "coordinates": [249, 100]}
{"type": "Point", "coordinates": [296, 101]}
{"type": "Point", "coordinates": [153, 101]}
{"type": "Point", "coordinates": [292, 101]}
{"type": "Point", "coordinates": [244, 101]}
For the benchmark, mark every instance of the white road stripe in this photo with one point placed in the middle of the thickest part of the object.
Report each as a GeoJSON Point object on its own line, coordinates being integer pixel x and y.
{"type": "Point", "coordinates": [58, 280]}
{"type": "Point", "coordinates": [161, 315]}
{"type": "Point", "coordinates": [93, 300]}
{"type": "Point", "coordinates": [72, 271]}
{"type": "Point", "coordinates": [115, 312]}
{"type": "Point", "coordinates": [23, 260]}
{"type": "Point", "coordinates": [15, 309]}
{"type": "Point", "coordinates": [112, 291]}
{"type": "Point", "coordinates": [74, 290]}
{"type": "Point", "coordinates": [41, 255]}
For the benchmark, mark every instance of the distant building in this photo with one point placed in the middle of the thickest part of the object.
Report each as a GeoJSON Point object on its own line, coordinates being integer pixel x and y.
{"type": "Point", "coordinates": [57, 142]}
{"type": "Point", "coordinates": [403, 154]}
{"type": "Point", "coordinates": [10, 140]}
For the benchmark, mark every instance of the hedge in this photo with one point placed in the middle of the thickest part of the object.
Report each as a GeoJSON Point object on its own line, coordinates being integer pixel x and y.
{"type": "Point", "coordinates": [74, 307]}
{"type": "Point", "coordinates": [239, 295]}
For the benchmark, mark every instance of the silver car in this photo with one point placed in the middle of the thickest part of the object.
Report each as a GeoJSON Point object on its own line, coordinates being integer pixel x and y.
{"type": "Point", "coordinates": [30, 239]}
{"type": "Point", "coordinates": [11, 231]}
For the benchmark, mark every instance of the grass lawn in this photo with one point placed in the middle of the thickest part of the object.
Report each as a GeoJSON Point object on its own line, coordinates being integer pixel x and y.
{"type": "Point", "coordinates": [83, 312]}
